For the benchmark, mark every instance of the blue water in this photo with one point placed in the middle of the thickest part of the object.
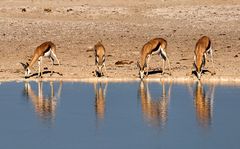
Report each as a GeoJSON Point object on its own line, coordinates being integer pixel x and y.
{"type": "Point", "coordinates": [119, 115]}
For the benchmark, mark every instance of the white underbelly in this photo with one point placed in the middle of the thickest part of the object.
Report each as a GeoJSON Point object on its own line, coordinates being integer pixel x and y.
{"type": "Point", "coordinates": [47, 54]}
{"type": "Point", "coordinates": [157, 52]}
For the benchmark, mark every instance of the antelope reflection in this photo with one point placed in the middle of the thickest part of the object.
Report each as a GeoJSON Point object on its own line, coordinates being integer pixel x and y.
{"type": "Point", "coordinates": [204, 104]}
{"type": "Point", "coordinates": [45, 106]}
{"type": "Point", "coordinates": [100, 95]}
{"type": "Point", "coordinates": [155, 111]}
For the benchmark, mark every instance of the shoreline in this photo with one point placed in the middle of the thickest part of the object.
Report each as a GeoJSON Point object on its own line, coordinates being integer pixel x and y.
{"type": "Point", "coordinates": [177, 80]}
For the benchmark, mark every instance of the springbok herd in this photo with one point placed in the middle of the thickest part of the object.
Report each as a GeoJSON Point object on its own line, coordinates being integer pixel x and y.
{"type": "Point", "coordinates": [154, 46]}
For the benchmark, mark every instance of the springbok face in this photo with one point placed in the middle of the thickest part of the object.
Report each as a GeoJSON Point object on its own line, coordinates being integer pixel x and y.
{"type": "Point", "coordinates": [199, 64]}
{"type": "Point", "coordinates": [198, 70]}
{"type": "Point", "coordinates": [199, 75]}
{"type": "Point", "coordinates": [100, 60]}
{"type": "Point", "coordinates": [26, 69]}
{"type": "Point", "coordinates": [141, 71]}
{"type": "Point", "coordinates": [28, 72]}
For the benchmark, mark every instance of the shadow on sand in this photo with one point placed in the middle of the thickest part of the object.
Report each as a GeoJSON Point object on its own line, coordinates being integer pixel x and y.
{"type": "Point", "coordinates": [44, 72]}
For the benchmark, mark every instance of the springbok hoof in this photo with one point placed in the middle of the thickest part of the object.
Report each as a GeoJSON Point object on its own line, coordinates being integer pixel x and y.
{"type": "Point", "coordinates": [213, 73]}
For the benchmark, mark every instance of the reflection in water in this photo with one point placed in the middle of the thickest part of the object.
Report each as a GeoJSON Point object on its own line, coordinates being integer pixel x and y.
{"type": "Point", "coordinates": [45, 106]}
{"type": "Point", "coordinates": [154, 111]}
{"type": "Point", "coordinates": [133, 118]}
{"type": "Point", "coordinates": [100, 94]}
{"type": "Point", "coordinates": [204, 104]}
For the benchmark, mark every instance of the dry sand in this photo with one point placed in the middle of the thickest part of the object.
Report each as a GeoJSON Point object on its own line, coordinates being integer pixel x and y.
{"type": "Point", "coordinates": [124, 26]}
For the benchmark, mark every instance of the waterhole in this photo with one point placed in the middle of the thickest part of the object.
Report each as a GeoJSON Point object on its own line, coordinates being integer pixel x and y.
{"type": "Point", "coordinates": [119, 115]}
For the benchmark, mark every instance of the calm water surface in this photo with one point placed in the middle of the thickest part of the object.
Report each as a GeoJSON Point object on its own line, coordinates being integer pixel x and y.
{"type": "Point", "coordinates": [118, 115]}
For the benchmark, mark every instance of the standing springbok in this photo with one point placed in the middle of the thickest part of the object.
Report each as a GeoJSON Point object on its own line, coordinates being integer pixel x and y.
{"type": "Point", "coordinates": [99, 52]}
{"type": "Point", "coordinates": [46, 49]}
{"type": "Point", "coordinates": [202, 48]}
{"type": "Point", "coordinates": [154, 46]}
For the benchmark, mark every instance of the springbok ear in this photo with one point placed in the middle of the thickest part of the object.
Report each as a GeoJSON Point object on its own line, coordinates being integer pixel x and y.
{"type": "Point", "coordinates": [138, 65]}
{"type": "Point", "coordinates": [24, 65]}
{"type": "Point", "coordinates": [194, 65]}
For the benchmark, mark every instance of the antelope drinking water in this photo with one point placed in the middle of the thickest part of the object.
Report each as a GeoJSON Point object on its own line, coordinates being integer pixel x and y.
{"type": "Point", "coordinates": [202, 48]}
{"type": "Point", "coordinates": [154, 46]}
{"type": "Point", "coordinates": [46, 49]}
{"type": "Point", "coordinates": [99, 51]}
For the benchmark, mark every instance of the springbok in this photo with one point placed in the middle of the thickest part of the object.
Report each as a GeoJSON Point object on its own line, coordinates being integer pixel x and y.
{"type": "Point", "coordinates": [99, 52]}
{"type": "Point", "coordinates": [154, 46]}
{"type": "Point", "coordinates": [46, 49]}
{"type": "Point", "coordinates": [202, 48]}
